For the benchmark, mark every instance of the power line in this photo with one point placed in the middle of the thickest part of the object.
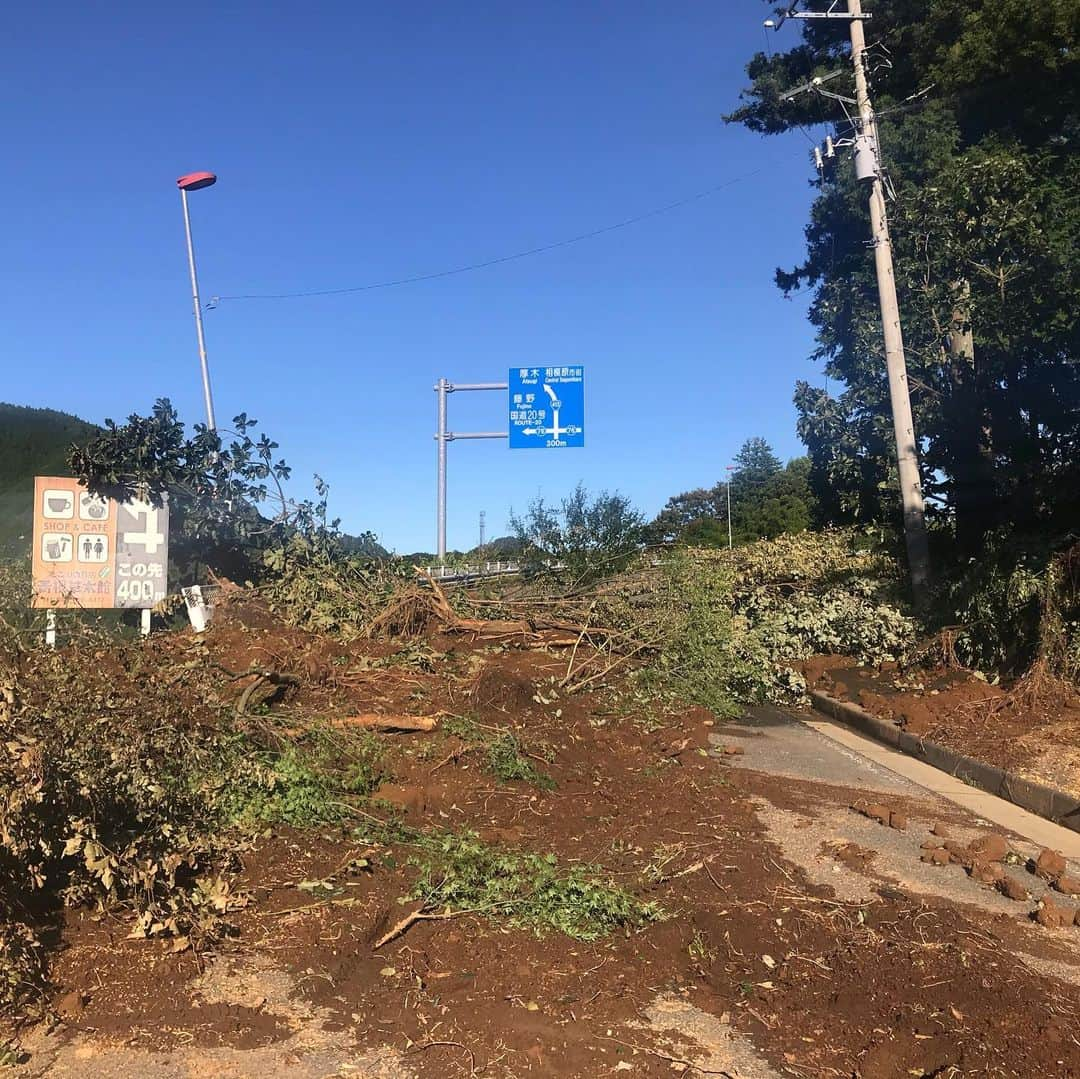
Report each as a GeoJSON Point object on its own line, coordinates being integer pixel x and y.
{"type": "Point", "coordinates": [637, 219]}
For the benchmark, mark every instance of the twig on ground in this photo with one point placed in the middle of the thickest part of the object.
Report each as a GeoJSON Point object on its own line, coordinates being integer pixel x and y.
{"type": "Point", "coordinates": [456, 1045]}
{"type": "Point", "coordinates": [688, 1065]}
{"type": "Point", "coordinates": [411, 919]}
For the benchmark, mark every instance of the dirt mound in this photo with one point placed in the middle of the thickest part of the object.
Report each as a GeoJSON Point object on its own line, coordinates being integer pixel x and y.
{"type": "Point", "coordinates": [501, 689]}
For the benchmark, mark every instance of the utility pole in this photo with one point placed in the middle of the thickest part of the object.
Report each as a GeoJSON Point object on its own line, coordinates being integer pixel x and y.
{"type": "Point", "coordinates": [868, 170]}
{"type": "Point", "coordinates": [483, 530]}
{"type": "Point", "coordinates": [907, 450]}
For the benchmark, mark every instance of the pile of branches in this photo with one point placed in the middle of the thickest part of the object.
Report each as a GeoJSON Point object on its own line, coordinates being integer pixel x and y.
{"type": "Point", "coordinates": [726, 627]}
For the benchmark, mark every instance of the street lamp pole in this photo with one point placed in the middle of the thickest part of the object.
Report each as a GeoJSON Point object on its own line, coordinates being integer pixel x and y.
{"type": "Point", "coordinates": [193, 182]}
{"type": "Point", "coordinates": [729, 469]}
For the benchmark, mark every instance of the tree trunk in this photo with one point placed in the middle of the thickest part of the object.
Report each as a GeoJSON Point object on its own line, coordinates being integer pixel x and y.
{"type": "Point", "coordinates": [975, 493]}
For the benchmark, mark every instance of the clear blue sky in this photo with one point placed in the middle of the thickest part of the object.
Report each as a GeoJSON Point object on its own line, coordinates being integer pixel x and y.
{"type": "Point", "coordinates": [361, 141]}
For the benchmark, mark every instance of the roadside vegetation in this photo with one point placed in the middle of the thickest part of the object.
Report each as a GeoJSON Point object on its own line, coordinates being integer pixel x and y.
{"type": "Point", "coordinates": [137, 774]}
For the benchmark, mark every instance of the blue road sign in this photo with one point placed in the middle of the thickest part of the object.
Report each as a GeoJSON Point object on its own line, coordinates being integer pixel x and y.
{"type": "Point", "coordinates": [547, 407]}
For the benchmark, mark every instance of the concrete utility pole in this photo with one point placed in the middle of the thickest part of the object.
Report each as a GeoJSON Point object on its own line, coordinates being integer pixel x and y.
{"type": "Point", "coordinates": [907, 452]}
{"type": "Point", "coordinates": [868, 170]}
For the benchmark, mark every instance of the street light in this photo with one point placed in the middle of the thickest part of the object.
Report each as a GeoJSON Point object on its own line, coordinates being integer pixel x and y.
{"type": "Point", "coordinates": [729, 469]}
{"type": "Point", "coordinates": [195, 181]}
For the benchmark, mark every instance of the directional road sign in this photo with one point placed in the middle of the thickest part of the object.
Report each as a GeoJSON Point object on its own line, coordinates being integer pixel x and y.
{"type": "Point", "coordinates": [547, 407]}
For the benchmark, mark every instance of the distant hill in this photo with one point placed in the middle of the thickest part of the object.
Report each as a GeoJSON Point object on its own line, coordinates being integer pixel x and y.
{"type": "Point", "coordinates": [33, 442]}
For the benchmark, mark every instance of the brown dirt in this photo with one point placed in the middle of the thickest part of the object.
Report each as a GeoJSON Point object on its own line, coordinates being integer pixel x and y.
{"type": "Point", "coordinates": [886, 988]}
{"type": "Point", "coordinates": [1033, 730]}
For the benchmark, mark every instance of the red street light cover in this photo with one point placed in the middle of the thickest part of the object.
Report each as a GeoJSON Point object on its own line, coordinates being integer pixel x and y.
{"type": "Point", "coordinates": [195, 180]}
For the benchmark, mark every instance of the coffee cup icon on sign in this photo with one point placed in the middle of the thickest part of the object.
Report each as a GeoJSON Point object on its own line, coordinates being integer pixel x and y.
{"type": "Point", "coordinates": [58, 504]}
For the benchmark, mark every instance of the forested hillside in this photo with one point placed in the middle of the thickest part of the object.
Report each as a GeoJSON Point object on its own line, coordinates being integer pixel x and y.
{"type": "Point", "coordinates": [33, 442]}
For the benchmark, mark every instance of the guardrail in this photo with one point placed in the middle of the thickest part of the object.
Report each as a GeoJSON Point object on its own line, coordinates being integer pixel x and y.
{"type": "Point", "coordinates": [472, 571]}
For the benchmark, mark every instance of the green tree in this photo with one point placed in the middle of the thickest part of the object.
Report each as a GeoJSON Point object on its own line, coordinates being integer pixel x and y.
{"type": "Point", "coordinates": [782, 504]}
{"type": "Point", "coordinates": [582, 540]}
{"type": "Point", "coordinates": [755, 464]}
{"type": "Point", "coordinates": [227, 500]}
{"type": "Point", "coordinates": [766, 500]}
{"type": "Point", "coordinates": [985, 226]}
{"type": "Point", "coordinates": [687, 510]}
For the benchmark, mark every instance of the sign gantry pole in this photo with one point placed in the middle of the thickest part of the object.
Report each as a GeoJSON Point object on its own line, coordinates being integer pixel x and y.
{"type": "Point", "coordinates": [443, 437]}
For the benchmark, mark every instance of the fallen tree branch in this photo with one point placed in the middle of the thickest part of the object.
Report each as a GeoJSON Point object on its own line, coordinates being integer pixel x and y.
{"type": "Point", "coordinates": [411, 919]}
{"type": "Point", "coordinates": [372, 721]}
{"type": "Point", "coordinates": [263, 677]}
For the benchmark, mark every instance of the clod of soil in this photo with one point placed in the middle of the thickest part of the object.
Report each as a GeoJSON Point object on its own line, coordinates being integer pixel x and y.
{"type": "Point", "coordinates": [958, 853]}
{"type": "Point", "coordinates": [1052, 916]}
{"type": "Point", "coordinates": [986, 872]}
{"type": "Point", "coordinates": [1049, 865]}
{"type": "Point", "coordinates": [938, 856]}
{"type": "Point", "coordinates": [854, 856]}
{"type": "Point", "coordinates": [875, 811]}
{"type": "Point", "coordinates": [72, 1005]}
{"type": "Point", "coordinates": [1067, 885]}
{"type": "Point", "coordinates": [897, 821]}
{"type": "Point", "coordinates": [1010, 887]}
{"type": "Point", "coordinates": [989, 847]}
{"type": "Point", "coordinates": [940, 830]}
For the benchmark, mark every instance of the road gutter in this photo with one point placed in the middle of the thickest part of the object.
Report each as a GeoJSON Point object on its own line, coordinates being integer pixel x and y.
{"type": "Point", "coordinates": [1043, 801]}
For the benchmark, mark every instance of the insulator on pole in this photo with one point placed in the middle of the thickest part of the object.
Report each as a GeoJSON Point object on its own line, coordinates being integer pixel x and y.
{"type": "Point", "coordinates": [830, 149]}
{"type": "Point", "coordinates": [819, 162]}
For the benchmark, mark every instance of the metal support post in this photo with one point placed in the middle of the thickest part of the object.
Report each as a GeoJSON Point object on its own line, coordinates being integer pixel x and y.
{"type": "Point", "coordinates": [208, 397]}
{"type": "Point", "coordinates": [443, 388]}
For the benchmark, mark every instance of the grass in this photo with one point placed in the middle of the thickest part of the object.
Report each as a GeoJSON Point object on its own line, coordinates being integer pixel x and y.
{"type": "Point", "coordinates": [504, 756]}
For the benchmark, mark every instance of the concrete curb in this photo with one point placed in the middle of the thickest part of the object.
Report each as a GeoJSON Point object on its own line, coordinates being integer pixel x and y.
{"type": "Point", "coordinates": [1054, 805]}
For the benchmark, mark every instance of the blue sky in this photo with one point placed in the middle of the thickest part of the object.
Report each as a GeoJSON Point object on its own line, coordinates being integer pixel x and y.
{"type": "Point", "coordinates": [357, 142]}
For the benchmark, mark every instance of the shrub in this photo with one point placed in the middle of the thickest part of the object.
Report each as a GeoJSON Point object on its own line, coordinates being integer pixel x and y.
{"type": "Point", "coordinates": [461, 872]}
{"type": "Point", "coordinates": [737, 621]}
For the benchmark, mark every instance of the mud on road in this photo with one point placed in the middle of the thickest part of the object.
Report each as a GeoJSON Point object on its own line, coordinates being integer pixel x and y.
{"type": "Point", "coordinates": [799, 937]}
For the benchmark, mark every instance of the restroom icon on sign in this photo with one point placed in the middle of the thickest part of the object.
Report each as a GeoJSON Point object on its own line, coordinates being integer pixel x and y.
{"type": "Point", "coordinates": [93, 549]}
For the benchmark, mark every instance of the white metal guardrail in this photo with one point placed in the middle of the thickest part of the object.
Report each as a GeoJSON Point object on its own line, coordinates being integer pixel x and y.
{"type": "Point", "coordinates": [477, 569]}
